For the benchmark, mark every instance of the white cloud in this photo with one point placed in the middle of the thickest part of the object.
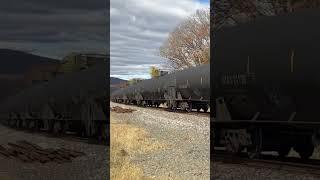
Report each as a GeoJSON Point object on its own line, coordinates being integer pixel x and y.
{"type": "Point", "coordinates": [137, 30]}
{"type": "Point", "coordinates": [54, 28]}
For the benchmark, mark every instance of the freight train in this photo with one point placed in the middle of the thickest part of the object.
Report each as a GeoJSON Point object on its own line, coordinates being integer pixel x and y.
{"type": "Point", "coordinates": [186, 90]}
{"type": "Point", "coordinates": [266, 84]}
{"type": "Point", "coordinates": [72, 102]}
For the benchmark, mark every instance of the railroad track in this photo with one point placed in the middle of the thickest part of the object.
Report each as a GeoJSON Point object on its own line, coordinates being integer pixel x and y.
{"type": "Point", "coordinates": [161, 108]}
{"type": "Point", "coordinates": [290, 164]}
{"type": "Point", "coordinates": [185, 112]}
{"type": "Point", "coordinates": [70, 136]}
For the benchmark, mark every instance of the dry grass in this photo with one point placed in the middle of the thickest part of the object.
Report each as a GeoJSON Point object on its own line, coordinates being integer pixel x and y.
{"type": "Point", "coordinates": [126, 140]}
{"type": "Point", "coordinates": [5, 177]}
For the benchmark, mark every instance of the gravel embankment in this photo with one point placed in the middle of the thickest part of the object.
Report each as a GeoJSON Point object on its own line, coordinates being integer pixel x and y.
{"type": "Point", "coordinates": [187, 156]}
{"type": "Point", "coordinates": [222, 171]}
{"type": "Point", "coordinates": [89, 167]}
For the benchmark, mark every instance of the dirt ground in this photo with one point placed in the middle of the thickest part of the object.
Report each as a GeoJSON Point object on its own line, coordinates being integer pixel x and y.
{"type": "Point", "coordinates": [91, 166]}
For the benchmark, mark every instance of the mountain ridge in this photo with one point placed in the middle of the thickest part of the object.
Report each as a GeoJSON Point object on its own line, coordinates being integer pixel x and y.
{"type": "Point", "coordinates": [18, 62]}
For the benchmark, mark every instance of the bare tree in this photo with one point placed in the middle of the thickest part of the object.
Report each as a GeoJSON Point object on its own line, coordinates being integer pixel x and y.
{"type": "Point", "coordinates": [296, 5]}
{"type": "Point", "coordinates": [232, 12]}
{"type": "Point", "coordinates": [189, 44]}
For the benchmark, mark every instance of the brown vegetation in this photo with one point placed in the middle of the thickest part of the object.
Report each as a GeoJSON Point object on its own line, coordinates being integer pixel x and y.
{"type": "Point", "coordinates": [228, 12]}
{"type": "Point", "coordinates": [127, 140]}
{"type": "Point", "coordinates": [119, 109]}
{"type": "Point", "coordinates": [29, 152]}
{"type": "Point", "coordinates": [189, 44]}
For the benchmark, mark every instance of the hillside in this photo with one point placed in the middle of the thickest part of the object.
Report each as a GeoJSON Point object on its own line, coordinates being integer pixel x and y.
{"type": "Point", "coordinates": [13, 66]}
{"type": "Point", "coordinates": [114, 81]}
{"type": "Point", "coordinates": [17, 62]}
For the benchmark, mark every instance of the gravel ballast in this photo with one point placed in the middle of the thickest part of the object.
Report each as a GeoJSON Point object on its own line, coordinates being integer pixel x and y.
{"type": "Point", "coordinates": [222, 171]}
{"type": "Point", "coordinates": [187, 137]}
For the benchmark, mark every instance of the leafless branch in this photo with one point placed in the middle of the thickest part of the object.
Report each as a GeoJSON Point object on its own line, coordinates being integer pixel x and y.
{"type": "Point", "coordinates": [188, 45]}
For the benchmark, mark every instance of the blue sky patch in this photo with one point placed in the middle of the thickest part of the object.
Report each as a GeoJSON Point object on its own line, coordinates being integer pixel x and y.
{"type": "Point", "coordinates": [204, 1]}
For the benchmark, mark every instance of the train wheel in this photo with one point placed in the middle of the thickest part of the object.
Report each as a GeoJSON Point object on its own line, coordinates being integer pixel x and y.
{"type": "Point", "coordinates": [104, 132]}
{"type": "Point", "coordinates": [173, 108]}
{"type": "Point", "coordinates": [198, 109]}
{"type": "Point", "coordinates": [57, 128]}
{"type": "Point", "coordinates": [232, 147]}
{"type": "Point", "coordinates": [94, 130]}
{"type": "Point", "coordinates": [83, 130]}
{"type": "Point", "coordinates": [305, 149]}
{"type": "Point", "coordinates": [15, 123]}
{"type": "Point", "coordinates": [254, 149]}
{"type": "Point", "coordinates": [284, 151]}
{"type": "Point", "coordinates": [189, 108]}
{"type": "Point", "coordinates": [46, 124]}
{"type": "Point", "coordinates": [145, 104]}
{"type": "Point", "coordinates": [32, 125]}
{"type": "Point", "coordinates": [305, 152]}
{"type": "Point", "coordinates": [232, 142]}
{"type": "Point", "coordinates": [65, 127]}
{"type": "Point", "coordinates": [11, 122]}
{"type": "Point", "coordinates": [19, 123]}
{"type": "Point", "coordinates": [25, 124]}
{"type": "Point", "coordinates": [205, 108]}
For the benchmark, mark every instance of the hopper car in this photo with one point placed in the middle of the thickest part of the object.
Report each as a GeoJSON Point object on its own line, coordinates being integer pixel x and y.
{"type": "Point", "coordinates": [266, 84]}
{"type": "Point", "coordinates": [73, 102]}
{"type": "Point", "coordinates": [185, 89]}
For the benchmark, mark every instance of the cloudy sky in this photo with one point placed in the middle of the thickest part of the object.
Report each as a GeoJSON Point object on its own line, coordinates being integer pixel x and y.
{"type": "Point", "coordinates": [54, 28]}
{"type": "Point", "coordinates": [137, 30]}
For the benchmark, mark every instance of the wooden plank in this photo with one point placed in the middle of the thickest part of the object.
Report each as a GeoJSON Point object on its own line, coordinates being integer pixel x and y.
{"type": "Point", "coordinates": [4, 152]}
{"type": "Point", "coordinates": [35, 146]}
{"type": "Point", "coordinates": [63, 155]}
{"type": "Point", "coordinates": [23, 158]}
{"type": "Point", "coordinates": [29, 152]}
{"type": "Point", "coordinates": [74, 151]}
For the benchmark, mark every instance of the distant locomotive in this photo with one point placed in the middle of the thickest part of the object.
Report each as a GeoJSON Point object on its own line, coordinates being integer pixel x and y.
{"type": "Point", "coordinates": [186, 90]}
{"type": "Point", "coordinates": [265, 80]}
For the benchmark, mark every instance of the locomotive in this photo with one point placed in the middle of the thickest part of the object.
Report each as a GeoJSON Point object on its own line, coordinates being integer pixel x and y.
{"type": "Point", "coordinates": [265, 85]}
{"type": "Point", "coordinates": [73, 102]}
{"type": "Point", "coordinates": [186, 90]}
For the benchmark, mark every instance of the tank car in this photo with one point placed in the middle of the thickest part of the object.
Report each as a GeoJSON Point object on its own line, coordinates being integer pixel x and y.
{"type": "Point", "coordinates": [72, 102]}
{"type": "Point", "coordinates": [266, 84]}
{"type": "Point", "coordinates": [186, 89]}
